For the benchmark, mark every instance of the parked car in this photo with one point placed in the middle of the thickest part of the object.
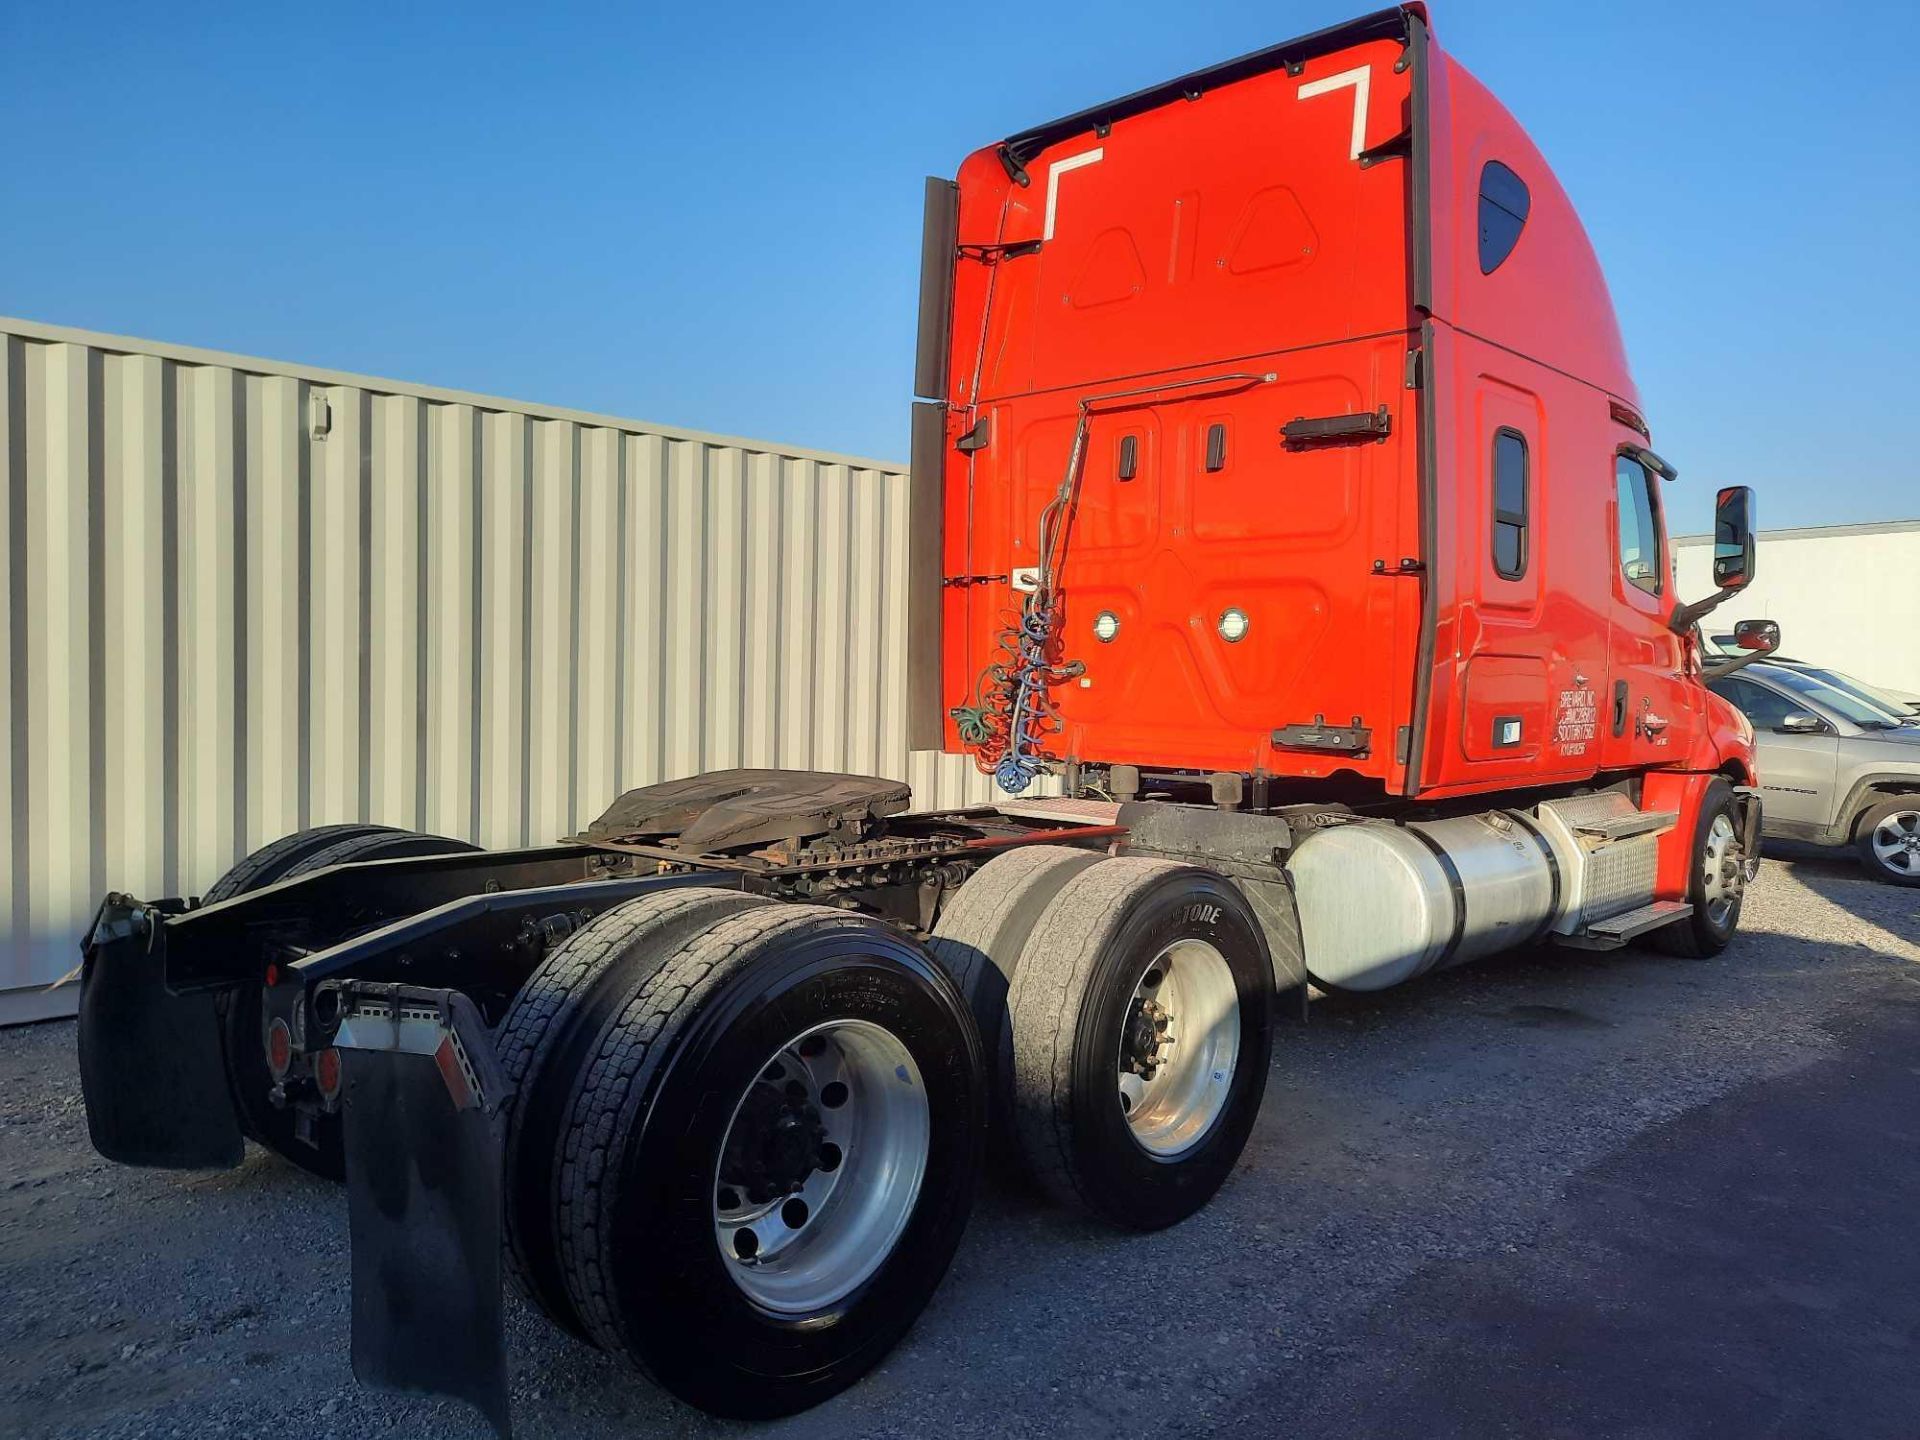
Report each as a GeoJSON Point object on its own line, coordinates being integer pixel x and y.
{"type": "Point", "coordinates": [1836, 767]}
{"type": "Point", "coordinates": [1903, 704]}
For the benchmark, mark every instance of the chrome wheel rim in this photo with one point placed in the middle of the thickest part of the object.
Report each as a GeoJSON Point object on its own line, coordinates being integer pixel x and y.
{"type": "Point", "coordinates": [821, 1165]}
{"type": "Point", "coordinates": [1896, 842]}
{"type": "Point", "coordinates": [1723, 871]}
{"type": "Point", "coordinates": [1179, 1044]}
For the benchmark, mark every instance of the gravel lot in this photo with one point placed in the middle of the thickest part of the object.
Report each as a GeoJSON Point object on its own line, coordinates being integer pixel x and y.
{"type": "Point", "coordinates": [1555, 1194]}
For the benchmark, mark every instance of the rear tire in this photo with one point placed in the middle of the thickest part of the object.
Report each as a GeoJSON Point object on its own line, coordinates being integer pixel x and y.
{"type": "Point", "coordinates": [1889, 840]}
{"type": "Point", "coordinates": [543, 1044]}
{"type": "Point", "coordinates": [651, 1165]}
{"type": "Point", "coordinates": [242, 1022]}
{"type": "Point", "coordinates": [1109, 1117]}
{"type": "Point", "coordinates": [981, 934]}
{"type": "Point", "coordinates": [275, 862]}
{"type": "Point", "coordinates": [1717, 898]}
{"type": "Point", "coordinates": [264, 867]}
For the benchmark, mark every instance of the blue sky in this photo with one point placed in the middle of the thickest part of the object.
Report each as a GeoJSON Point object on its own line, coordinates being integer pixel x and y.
{"type": "Point", "coordinates": [709, 215]}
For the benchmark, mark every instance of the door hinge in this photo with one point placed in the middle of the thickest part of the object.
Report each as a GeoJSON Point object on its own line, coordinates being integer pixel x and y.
{"type": "Point", "coordinates": [1407, 566]}
{"type": "Point", "coordinates": [1416, 367]}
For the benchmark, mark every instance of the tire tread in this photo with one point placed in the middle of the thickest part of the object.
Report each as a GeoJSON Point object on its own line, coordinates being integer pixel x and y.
{"type": "Point", "coordinates": [1044, 1002]}
{"type": "Point", "coordinates": [616, 1082]}
{"type": "Point", "coordinates": [539, 1021]}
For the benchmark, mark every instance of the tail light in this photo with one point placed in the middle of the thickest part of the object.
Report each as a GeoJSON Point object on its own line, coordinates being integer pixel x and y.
{"type": "Point", "coordinates": [326, 1074]}
{"type": "Point", "coordinates": [279, 1048]}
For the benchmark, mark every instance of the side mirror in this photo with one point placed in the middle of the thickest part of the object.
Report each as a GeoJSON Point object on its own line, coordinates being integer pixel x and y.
{"type": "Point", "coordinates": [1800, 722]}
{"type": "Point", "coordinates": [1762, 636]}
{"type": "Point", "coordinates": [1733, 556]}
{"type": "Point", "coordinates": [1733, 540]}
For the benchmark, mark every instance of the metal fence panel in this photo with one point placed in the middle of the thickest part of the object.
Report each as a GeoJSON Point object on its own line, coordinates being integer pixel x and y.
{"type": "Point", "coordinates": [242, 597]}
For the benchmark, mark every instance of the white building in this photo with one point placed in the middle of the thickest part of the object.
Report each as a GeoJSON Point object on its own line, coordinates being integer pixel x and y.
{"type": "Point", "coordinates": [1847, 596]}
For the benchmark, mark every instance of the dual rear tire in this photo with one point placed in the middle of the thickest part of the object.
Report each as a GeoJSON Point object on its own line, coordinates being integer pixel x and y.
{"type": "Point", "coordinates": [745, 1143]}
{"type": "Point", "coordinates": [747, 1134]}
{"type": "Point", "coordinates": [314, 1143]}
{"type": "Point", "coordinates": [1128, 1008]}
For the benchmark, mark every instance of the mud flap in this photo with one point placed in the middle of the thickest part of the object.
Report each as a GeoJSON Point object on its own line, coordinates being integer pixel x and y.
{"type": "Point", "coordinates": [151, 1068]}
{"type": "Point", "coordinates": [424, 1152]}
{"type": "Point", "coordinates": [1747, 806]}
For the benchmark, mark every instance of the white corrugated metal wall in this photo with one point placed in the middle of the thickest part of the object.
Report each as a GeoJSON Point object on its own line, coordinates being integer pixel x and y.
{"type": "Point", "coordinates": [243, 597]}
{"type": "Point", "coordinates": [1844, 595]}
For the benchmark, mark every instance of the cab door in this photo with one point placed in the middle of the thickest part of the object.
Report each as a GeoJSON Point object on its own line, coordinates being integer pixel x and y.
{"type": "Point", "coordinates": [1652, 713]}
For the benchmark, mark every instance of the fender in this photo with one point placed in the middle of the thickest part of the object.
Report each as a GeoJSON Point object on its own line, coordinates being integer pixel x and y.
{"type": "Point", "coordinates": [1681, 791]}
{"type": "Point", "coordinates": [1886, 782]}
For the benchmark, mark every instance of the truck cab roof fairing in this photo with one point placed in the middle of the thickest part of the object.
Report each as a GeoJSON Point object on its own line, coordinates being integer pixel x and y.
{"type": "Point", "coordinates": [1017, 149]}
{"type": "Point", "coordinates": [1547, 299]}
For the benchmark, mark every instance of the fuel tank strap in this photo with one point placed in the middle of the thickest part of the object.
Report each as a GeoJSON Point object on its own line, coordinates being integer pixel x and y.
{"type": "Point", "coordinates": [1525, 822]}
{"type": "Point", "coordinates": [1452, 872]}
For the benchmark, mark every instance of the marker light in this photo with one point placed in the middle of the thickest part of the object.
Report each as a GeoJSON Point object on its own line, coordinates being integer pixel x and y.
{"type": "Point", "coordinates": [1106, 625]}
{"type": "Point", "coordinates": [1233, 624]}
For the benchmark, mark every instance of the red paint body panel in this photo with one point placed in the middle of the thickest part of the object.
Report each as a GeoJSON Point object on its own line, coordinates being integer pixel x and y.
{"type": "Point", "coordinates": [1236, 239]}
{"type": "Point", "coordinates": [1682, 792]}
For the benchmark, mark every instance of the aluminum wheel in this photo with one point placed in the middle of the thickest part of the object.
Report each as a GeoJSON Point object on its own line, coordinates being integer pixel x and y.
{"type": "Point", "coordinates": [821, 1166]}
{"type": "Point", "coordinates": [1723, 871]}
{"type": "Point", "coordinates": [1896, 842]}
{"type": "Point", "coordinates": [1178, 1048]}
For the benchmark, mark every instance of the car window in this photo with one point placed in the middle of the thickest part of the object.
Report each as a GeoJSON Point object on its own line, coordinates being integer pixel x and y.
{"type": "Point", "coordinates": [1765, 708]}
{"type": "Point", "coordinates": [1639, 540]}
{"type": "Point", "coordinates": [1857, 709]}
{"type": "Point", "coordinates": [1863, 693]}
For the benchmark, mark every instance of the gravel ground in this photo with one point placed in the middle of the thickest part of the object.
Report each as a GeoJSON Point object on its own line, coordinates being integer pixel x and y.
{"type": "Point", "coordinates": [1555, 1194]}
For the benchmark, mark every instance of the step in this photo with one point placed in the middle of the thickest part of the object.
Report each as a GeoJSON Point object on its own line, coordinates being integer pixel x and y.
{"type": "Point", "coordinates": [1617, 930]}
{"type": "Point", "coordinates": [1633, 822]}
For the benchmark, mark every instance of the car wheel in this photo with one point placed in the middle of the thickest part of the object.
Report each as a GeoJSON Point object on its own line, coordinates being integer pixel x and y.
{"type": "Point", "coordinates": [1889, 840]}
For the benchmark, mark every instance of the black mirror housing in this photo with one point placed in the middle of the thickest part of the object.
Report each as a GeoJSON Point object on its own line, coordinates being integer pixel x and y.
{"type": "Point", "coordinates": [1734, 544]}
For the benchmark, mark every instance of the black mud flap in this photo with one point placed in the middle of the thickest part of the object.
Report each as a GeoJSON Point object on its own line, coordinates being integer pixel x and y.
{"type": "Point", "coordinates": [1747, 808]}
{"type": "Point", "coordinates": [424, 1154]}
{"type": "Point", "coordinates": [151, 1068]}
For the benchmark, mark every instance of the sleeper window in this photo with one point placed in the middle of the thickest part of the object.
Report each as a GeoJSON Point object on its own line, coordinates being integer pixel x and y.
{"type": "Point", "coordinates": [1509, 504]}
{"type": "Point", "coordinates": [1639, 536]}
{"type": "Point", "coordinates": [1504, 203]}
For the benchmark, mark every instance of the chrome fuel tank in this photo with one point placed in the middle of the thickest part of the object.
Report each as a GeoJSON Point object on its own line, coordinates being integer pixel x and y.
{"type": "Point", "coordinates": [1381, 903]}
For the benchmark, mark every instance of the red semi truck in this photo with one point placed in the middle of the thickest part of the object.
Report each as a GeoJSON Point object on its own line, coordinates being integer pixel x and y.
{"type": "Point", "coordinates": [1281, 494]}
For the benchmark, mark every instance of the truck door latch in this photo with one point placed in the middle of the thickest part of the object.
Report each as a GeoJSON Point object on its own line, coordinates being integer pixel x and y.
{"type": "Point", "coordinates": [961, 582]}
{"type": "Point", "coordinates": [1302, 433]}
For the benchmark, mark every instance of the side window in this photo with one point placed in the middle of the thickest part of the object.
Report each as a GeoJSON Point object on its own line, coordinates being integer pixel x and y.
{"type": "Point", "coordinates": [1504, 203]}
{"type": "Point", "coordinates": [1762, 706]}
{"type": "Point", "coordinates": [1509, 504]}
{"type": "Point", "coordinates": [1639, 537]}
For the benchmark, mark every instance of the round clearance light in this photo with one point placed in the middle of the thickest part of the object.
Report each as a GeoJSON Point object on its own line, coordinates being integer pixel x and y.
{"type": "Point", "coordinates": [1106, 625]}
{"type": "Point", "coordinates": [1233, 624]}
